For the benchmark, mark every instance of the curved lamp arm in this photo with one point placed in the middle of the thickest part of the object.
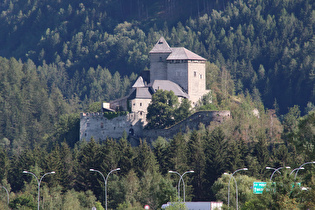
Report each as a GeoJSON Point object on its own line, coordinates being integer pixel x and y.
{"type": "Point", "coordinates": [105, 181]}
{"type": "Point", "coordinates": [295, 170]}
{"type": "Point", "coordinates": [38, 183]}
{"type": "Point", "coordinates": [241, 169]}
{"type": "Point", "coordinates": [287, 167]}
{"type": "Point", "coordinates": [301, 167]}
{"type": "Point", "coordinates": [181, 179]}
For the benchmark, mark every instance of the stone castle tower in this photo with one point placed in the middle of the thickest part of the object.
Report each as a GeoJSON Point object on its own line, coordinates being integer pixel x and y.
{"type": "Point", "coordinates": [171, 68]}
{"type": "Point", "coordinates": [181, 66]}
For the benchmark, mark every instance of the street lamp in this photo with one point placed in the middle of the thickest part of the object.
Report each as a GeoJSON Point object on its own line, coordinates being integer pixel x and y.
{"type": "Point", "coordinates": [295, 170]}
{"type": "Point", "coordinates": [181, 178]}
{"type": "Point", "coordinates": [301, 168]}
{"type": "Point", "coordinates": [242, 169]}
{"type": "Point", "coordinates": [287, 167]}
{"type": "Point", "coordinates": [38, 182]}
{"type": "Point", "coordinates": [272, 169]}
{"type": "Point", "coordinates": [229, 187]}
{"type": "Point", "coordinates": [7, 193]}
{"type": "Point", "coordinates": [105, 181]}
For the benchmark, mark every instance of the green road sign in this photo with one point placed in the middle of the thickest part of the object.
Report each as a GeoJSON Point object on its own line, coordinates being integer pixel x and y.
{"type": "Point", "coordinates": [258, 187]}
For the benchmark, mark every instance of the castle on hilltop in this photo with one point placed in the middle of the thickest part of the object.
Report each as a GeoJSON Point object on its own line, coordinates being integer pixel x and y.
{"type": "Point", "coordinates": [171, 68]}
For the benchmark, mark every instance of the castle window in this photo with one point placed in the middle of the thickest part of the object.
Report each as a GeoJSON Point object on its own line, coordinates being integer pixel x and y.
{"type": "Point", "coordinates": [160, 58]}
{"type": "Point", "coordinates": [102, 125]}
{"type": "Point", "coordinates": [195, 74]}
{"type": "Point", "coordinates": [140, 104]}
{"type": "Point", "coordinates": [200, 76]}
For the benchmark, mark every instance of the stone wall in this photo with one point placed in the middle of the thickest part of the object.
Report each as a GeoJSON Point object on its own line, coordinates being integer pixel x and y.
{"type": "Point", "coordinates": [178, 73]}
{"type": "Point", "coordinates": [100, 128]}
{"type": "Point", "coordinates": [196, 81]}
{"type": "Point", "coordinates": [204, 117]}
{"type": "Point", "coordinates": [158, 66]}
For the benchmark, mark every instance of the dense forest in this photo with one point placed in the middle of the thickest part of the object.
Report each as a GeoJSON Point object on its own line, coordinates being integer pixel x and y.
{"type": "Point", "coordinates": [59, 58]}
{"type": "Point", "coordinates": [265, 45]}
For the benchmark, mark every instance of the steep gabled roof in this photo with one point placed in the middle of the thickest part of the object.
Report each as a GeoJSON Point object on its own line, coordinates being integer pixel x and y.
{"type": "Point", "coordinates": [169, 86]}
{"type": "Point", "coordinates": [139, 83]}
{"type": "Point", "coordinates": [141, 92]}
{"type": "Point", "coordinates": [181, 53]}
{"type": "Point", "coordinates": [161, 47]}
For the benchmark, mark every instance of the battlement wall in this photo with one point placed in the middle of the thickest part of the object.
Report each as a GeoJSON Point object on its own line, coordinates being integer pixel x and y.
{"type": "Point", "coordinates": [192, 122]}
{"type": "Point", "coordinates": [100, 128]}
{"type": "Point", "coordinates": [96, 125]}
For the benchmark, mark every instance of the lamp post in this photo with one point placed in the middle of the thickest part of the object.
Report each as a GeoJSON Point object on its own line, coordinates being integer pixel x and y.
{"type": "Point", "coordinates": [181, 178]}
{"type": "Point", "coordinates": [242, 169]}
{"type": "Point", "coordinates": [287, 167]}
{"type": "Point", "coordinates": [38, 182]}
{"type": "Point", "coordinates": [301, 168]}
{"type": "Point", "coordinates": [105, 181]}
{"type": "Point", "coordinates": [229, 188]}
{"type": "Point", "coordinates": [295, 170]}
{"type": "Point", "coordinates": [7, 193]}
{"type": "Point", "coordinates": [272, 169]}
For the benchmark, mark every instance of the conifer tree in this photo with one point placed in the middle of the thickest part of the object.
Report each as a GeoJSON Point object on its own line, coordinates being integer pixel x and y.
{"type": "Point", "coordinates": [126, 156]}
{"type": "Point", "coordinates": [196, 161]}
{"type": "Point", "coordinates": [144, 160]}
{"type": "Point", "coordinates": [90, 157]}
{"type": "Point", "coordinates": [216, 157]}
{"type": "Point", "coordinates": [177, 153]}
{"type": "Point", "coordinates": [160, 148]}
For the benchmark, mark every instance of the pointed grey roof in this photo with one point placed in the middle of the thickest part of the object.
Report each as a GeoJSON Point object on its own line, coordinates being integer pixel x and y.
{"type": "Point", "coordinates": [140, 92]}
{"type": "Point", "coordinates": [161, 47]}
{"type": "Point", "coordinates": [181, 53]}
{"type": "Point", "coordinates": [139, 83]}
{"type": "Point", "coordinates": [169, 86]}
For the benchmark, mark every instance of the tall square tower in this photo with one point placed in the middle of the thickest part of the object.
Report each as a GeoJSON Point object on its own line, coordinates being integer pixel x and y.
{"type": "Point", "coordinates": [158, 56]}
{"type": "Point", "coordinates": [180, 66]}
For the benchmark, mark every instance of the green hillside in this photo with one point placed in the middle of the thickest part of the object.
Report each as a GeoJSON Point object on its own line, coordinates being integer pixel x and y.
{"type": "Point", "coordinates": [60, 58]}
{"type": "Point", "coordinates": [265, 45]}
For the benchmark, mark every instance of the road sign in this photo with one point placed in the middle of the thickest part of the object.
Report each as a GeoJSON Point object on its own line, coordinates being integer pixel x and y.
{"type": "Point", "coordinates": [258, 187]}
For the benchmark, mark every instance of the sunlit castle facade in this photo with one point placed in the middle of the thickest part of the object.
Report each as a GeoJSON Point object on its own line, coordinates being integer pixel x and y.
{"type": "Point", "coordinates": [171, 68]}
{"type": "Point", "coordinates": [181, 66]}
